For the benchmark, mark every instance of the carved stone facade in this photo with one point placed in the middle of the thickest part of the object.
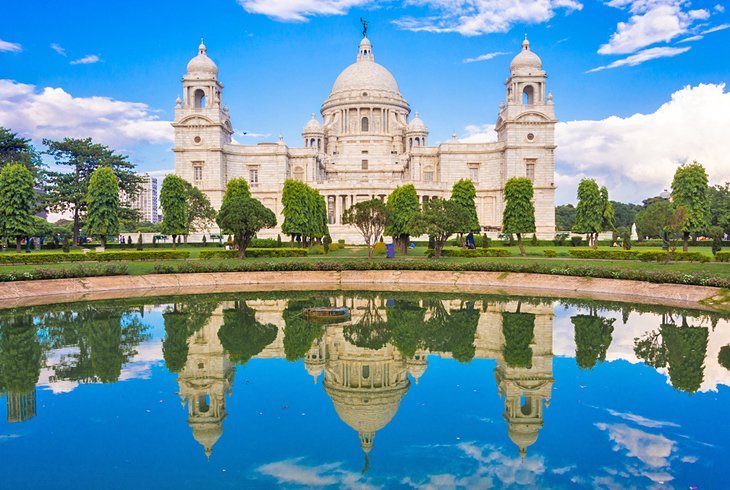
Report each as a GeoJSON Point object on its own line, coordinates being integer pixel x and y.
{"type": "Point", "coordinates": [366, 145]}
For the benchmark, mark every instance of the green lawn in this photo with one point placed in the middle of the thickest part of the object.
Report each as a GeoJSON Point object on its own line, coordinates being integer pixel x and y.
{"type": "Point", "coordinates": [534, 256]}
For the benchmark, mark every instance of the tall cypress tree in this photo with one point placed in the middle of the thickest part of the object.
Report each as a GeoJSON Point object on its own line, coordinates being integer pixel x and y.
{"type": "Point", "coordinates": [17, 202]}
{"type": "Point", "coordinates": [173, 197]}
{"type": "Point", "coordinates": [103, 204]}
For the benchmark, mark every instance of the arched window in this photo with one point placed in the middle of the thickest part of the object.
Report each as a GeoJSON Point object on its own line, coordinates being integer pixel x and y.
{"type": "Point", "coordinates": [526, 408]}
{"type": "Point", "coordinates": [203, 403]}
{"type": "Point", "coordinates": [364, 125]}
{"type": "Point", "coordinates": [365, 372]}
{"type": "Point", "coordinates": [199, 98]}
{"type": "Point", "coordinates": [528, 95]}
{"type": "Point", "coordinates": [298, 173]}
{"type": "Point", "coordinates": [312, 142]}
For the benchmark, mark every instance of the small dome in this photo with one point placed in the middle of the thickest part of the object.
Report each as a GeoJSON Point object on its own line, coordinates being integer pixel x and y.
{"type": "Point", "coordinates": [201, 64]}
{"type": "Point", "coordinates": [313, 126]}
{"type": "Point", "coordinates": [527, 62]}
{"type": "Point", "coordinates": [207, 434]}
{"type": "Point", "coordinates": [416, 124]}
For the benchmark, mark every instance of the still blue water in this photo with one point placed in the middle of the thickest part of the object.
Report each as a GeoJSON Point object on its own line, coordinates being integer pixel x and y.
{"type": "Point", "coordinates": [413, 391]}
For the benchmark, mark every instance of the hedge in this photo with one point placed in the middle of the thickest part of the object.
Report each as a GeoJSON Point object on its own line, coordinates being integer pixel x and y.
{"type": "Point", "coordinates": [476, 252]}
{"type": "Point", "coordinates": [645, 256]}
{"type": "Point", "coordinates": [722, 256]}
{"type": "Point", "coordinates": [254, 252]}
{"type": "Point", "coordinates": [663, 276]}
{"type": "Point", "coordinates": [58, 257]}
{"type": "Point", "coordinates": [78, 271]}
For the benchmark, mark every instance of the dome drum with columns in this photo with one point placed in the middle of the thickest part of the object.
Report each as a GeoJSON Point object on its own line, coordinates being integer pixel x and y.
{"type": "Point", "coordinates": [367, 144]}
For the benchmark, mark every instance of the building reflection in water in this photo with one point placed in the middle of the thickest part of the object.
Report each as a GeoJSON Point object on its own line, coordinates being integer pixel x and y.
{"type": "Point", "coordinates": [364, 372]}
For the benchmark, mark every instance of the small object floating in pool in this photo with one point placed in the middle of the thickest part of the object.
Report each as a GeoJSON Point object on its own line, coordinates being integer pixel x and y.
{"type": "Point", "coordinates": [327, 314]}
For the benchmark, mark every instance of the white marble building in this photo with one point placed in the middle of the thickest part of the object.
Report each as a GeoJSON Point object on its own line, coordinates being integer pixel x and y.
{"type": "Point", "coordinates": [367, 144]}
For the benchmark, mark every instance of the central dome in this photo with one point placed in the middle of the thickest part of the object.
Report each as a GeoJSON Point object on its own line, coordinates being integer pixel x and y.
{"type": "Point", "coordinates": [365, 74]}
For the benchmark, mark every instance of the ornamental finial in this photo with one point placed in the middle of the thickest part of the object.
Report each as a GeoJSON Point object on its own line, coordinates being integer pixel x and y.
{"type": "Point", "coordinates": [364, 27]}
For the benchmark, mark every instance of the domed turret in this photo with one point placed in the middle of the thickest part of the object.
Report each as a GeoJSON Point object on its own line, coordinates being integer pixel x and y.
{"type": "Point", "coordinates": [201, 64]}
{"type": "Point", "coordinates": [417, 365]}
{"type": "Point", "coordinates": [313, 133]}
{"type": "Point", "coordinates": [527, 62]}
{"type": "Point", "coordinates": [416, 132]}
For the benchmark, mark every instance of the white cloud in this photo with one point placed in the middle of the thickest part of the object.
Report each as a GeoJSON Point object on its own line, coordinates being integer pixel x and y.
{"type": "Point", "coordinates": [721, 27]}
{"type": "Point", "coordinates": [58, 49]}
{"type": "Point", "coordinates": [692, 39]}
{"type": "Point", "coordinates": [54, 113]}
{"type": "Point", "coordinates": [479, 133]}
{"type": "Point", "coordinates": [642, 56]}
{"type": "Point", "coordinates": [651, 449]}
{"type": "Point", "coordinates": [636, 156]}
{"type": "Point", "coordinates": [8, 47]}
{"type": "Point", "coordinates": [300, 10]}
{"type": "Point", "coordinates": [293, 472]}
{"type": "Point", "coordinates": [643, 421]}
{"type": "Point", "coordinates": [485, 57]}
{"type": "Point", "coordinates": [719, 8]}
{"type": "Point", "coordinates": [653, 21]}
{"type": "Point", "coordinates": [89, 59]}
{"type": "Point", "coordinates": [475, 17]}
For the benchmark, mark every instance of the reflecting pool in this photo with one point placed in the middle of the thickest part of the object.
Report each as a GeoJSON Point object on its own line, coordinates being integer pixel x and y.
{"type": "Point", "coordinates": [414, 390]}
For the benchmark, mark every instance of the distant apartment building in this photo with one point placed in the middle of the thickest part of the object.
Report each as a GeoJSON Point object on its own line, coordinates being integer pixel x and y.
{"type": "Point", "coordinates": [146, 201]}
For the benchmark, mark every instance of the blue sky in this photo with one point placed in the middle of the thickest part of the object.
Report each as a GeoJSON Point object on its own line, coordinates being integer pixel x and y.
{"type": "Point", "coordinates": [638, 84]}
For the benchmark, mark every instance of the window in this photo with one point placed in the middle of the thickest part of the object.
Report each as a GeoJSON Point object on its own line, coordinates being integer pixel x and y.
{"type": "Point", "coordinates": [428, 176]}
{"type": "Point", "coordinates": [197, 174]}
{"type": "Point", "coordinates": [364, 125]}
{"type": "Point", "coordinates": [474, 172]}
{"type": "Point", "coordinates": [364, 165]}
{"type": "Point", "coordinates": [528, 95]}
{"type": "Point", "coordinates": [253, 177]}
{"type": "Point", "coordinates": [298, 173]}
{"type": "Point", "coordinates": [530, 169]}
{"type": "Point", "coordinates": [364, 152]}
{"type": "Point", "coordinates": [199, 98]}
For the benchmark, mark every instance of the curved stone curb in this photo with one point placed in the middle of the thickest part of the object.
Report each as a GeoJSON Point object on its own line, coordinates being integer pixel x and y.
{"type": "Point", "coordinates": [25, 293]}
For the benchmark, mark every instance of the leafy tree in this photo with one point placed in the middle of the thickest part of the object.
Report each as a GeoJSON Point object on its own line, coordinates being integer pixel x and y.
{"type": "Point", "coordinates": [519, 331]}
{"type": "Point", "coordinates": [592, 339]}
{"type": "Point", "coordinates": [299, 332]}
{"type": "Point", "coordinates": [244, 216]}
{"type": "Point", "coordinates": [625, 213]}
{"type": "Point", "coordinates": [372, 331]}
{"type": "Point", "coordinates": [19, 150]}
{"type": "Point", "coordinates": [594, 213]}
{"type": "Point", "coordinates": [519, 212]}
{"type": "Point", "coordinates": [370, 218]}
{"type": "Point", "coordinates": [564, 217]}
{"type": "Point", "coordinates": [403, 206]}
{"type": "Point", "coordinates": [17, 202]}
{"type": "Point", "coordinates": [20, 353]}
{"type": "Point", "coordinates": [105, 340]}
{"type": "Point", "coordinates": [439, 220]}
{"type": "Point", "coordinates": [181, 321]}
{"type": "Point", "coordinates": [653, 219]}
{"type": "Point", "coordinates": [103, 204]}
{"type": "Point", "coordinates": [241, 335]}
{"type": "Point", "coordinates": [200, 213]}
{"type": "Point", "coordinates": [719, 196]}
{"type": "Point", "coordinates": [463, 193]}
{"type": "Point", "coordinates": [68, 190]}
{"type": "Point", "coordinates": [405, 320]}
{"type": "Point", "coordinates": [237, 187]}
{"type": "Point", "coordinates": [305, 212]}
{"type": "Point", "coordinates": [452, 331]}
{"type": "Point", "coordinates": [723, 357]}
{"type": "Point", "coordinates": [689, 191]}
{"type": "Point", "coordinates": [173, 197]}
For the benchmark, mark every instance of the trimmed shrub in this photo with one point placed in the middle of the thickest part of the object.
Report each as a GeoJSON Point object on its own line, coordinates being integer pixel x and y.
{"type": "Point", "coordinates": [334, 247]}
{"type": "Point", "coordinates": [317, 250]}
{"type": "Point", "coordinates": [254, 252]}
{"type": "Point", "coordinates": [664, 256]}
{"type": "Point", "coordinates": [477, 252]}
{"type": "Point", "coordinates": [576, 241]}
{"type": "Point", "coordinates": [613, 254]}
{"type": "Point", "coordinates": [380, 248]}
{"type": "Point", "coordinates": [263, 243]}
{"type": "Point", "coordinates": [54, 258]}
{"type": "Point", "coordinates": [559, 240]}
{"type": "Point", "coordinates": [550, 253]}
{"type": "Point", "coordinates": [86, 270]}
{"type": "Point", "coordinates": [722, 256]}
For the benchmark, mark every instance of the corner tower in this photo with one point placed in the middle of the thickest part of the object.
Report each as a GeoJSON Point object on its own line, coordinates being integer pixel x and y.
{"type": "Point", "coordinates": [202, 128]}
{"type": "Point", "coordinates": [526, 126]}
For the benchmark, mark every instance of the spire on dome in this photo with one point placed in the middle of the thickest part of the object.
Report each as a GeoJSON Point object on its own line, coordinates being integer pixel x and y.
{"type": "Point", "coordinates": [526, 43]}
{"type": "Point", "coordinates": [201, 48]}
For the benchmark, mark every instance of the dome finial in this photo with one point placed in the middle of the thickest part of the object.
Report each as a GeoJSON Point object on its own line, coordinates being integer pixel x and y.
{"type": "Point", "coordinates": [526, 43]}
{"type": "Point", "coordinates": [202, 49]}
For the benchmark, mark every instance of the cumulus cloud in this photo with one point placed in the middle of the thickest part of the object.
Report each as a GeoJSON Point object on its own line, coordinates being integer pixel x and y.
{"type": "Point", "coordinates": [475, 17]}
{"type": "Point", "coordinates": [8, 47]}
{"type": "Point", "coordinates": [642, 56]}
{"type": "Point", "coordinates": [654, 21]}
{"type": "Point", "coordinates": [295, 472]}
{"type": "Point", "coordinates": [58, 49]}
{"type": "Point", "coordinates": [89, 59]}
{"type": "Point", "coordinates": [653, 450]}
{"type": "Point", "coordinates": [485, 57]}
{"type": "Point", "coordinates": [300, 10]}
{"type": "Point", "coordinates": [636, 156]}
{"type": "Point", "coordinates": [54, 113]}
